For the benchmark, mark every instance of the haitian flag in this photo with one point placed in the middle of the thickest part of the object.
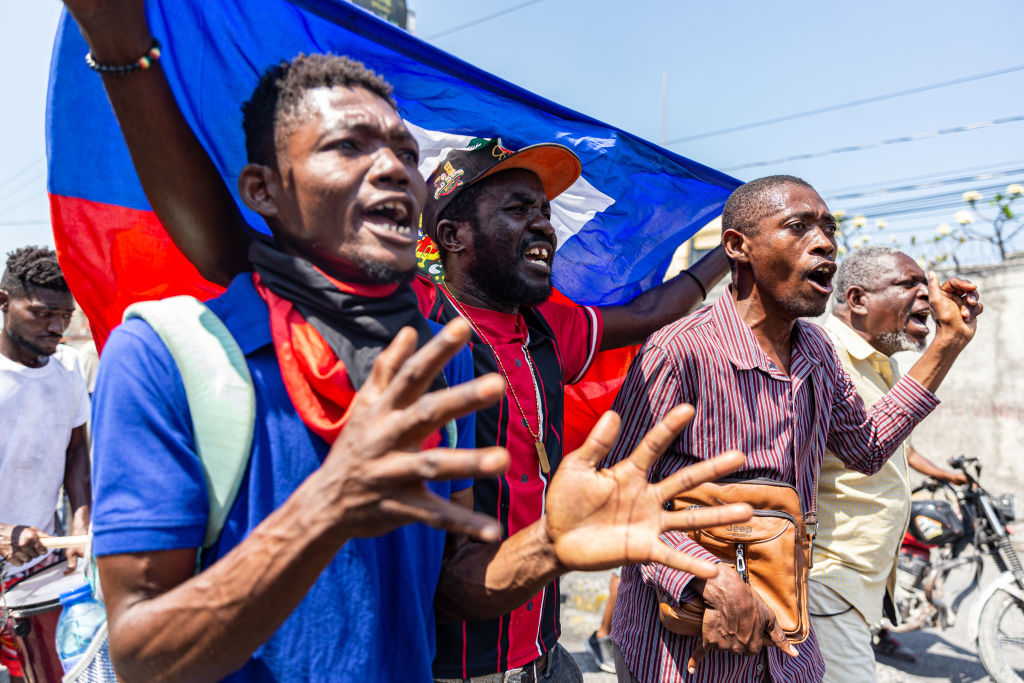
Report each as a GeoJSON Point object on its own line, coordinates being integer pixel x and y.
{"type": "Point", "coordinates": [618, 226]}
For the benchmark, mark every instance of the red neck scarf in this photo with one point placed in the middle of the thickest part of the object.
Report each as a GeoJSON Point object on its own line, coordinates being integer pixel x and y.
{"type": "Point", "coordinates": [360, 319]}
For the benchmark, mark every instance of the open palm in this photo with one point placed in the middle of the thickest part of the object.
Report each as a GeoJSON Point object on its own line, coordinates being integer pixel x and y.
{"type": "Point", "coordinates": [605, 518]}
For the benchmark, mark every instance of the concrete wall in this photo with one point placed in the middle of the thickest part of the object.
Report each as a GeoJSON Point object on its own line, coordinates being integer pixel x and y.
{"type": "Point", "coordinates": [982, 411]}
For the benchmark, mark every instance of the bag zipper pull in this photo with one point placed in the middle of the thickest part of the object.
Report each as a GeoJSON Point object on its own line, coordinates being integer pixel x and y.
{"type": "Point", "coordinates": [741, 562]}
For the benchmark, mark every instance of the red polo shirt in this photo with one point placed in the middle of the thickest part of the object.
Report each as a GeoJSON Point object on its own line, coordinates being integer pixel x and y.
{"type": "Point", "coordinates": [541, 349]}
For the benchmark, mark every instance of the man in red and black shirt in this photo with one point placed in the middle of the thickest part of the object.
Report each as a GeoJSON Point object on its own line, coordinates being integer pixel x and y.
{"type": "Point", "coordinates": [488, 212]}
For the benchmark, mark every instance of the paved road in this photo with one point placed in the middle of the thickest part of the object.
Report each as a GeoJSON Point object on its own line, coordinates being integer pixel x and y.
{"type": "Point", "coordinates": [942, 655]}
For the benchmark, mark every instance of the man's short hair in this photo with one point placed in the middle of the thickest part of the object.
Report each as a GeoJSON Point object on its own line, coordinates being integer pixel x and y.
{"type": "Point", "coordinates": [863, 268]}
{"type": "Point", "coordinates": [750, 203]}
{"type": "Point", "coordinates": [275, 107]}
{"type": "Point", "coordinates": [32, 267]}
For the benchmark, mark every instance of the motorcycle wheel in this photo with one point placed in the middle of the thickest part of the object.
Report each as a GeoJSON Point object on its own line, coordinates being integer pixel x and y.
{"type": "Point", "coordinates": [1001, 637]}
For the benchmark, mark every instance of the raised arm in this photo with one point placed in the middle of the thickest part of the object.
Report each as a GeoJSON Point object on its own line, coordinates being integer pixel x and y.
{"type": "Point", "coordinates": [181, 183]}
{"type": "Point", "coordinates": [864, 439]}
{"type": "Point", "coordinates": [631, 323]}
{"type": "Point", "coordinates": [595, 519]}
{"type": "Point", "coordinates": [168, 625]}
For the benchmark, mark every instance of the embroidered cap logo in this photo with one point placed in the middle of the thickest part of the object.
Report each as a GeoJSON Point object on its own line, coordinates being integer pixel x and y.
{"type": "Point", "coordinates": [446, 183]}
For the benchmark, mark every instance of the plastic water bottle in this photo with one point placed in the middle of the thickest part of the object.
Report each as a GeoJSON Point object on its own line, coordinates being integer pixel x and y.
{"type": "Point", "coordinates": [77, 626]}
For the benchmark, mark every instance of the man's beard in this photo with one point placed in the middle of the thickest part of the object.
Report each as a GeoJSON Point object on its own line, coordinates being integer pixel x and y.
{"type": "Point", "coordinates": [27, 345]}
{"type": "Point", "coordinates": [503, 285]}
{"type": "Point", "coordinates": [894, 342]}
{"type": "Point", "coordinates": [380, 273]}
{"type": "Point", "coordinates": [795, 306]}
{"type": "Point", "coordinates": [799, 308]}
{"type": "Point", "coordinates": [791, 305]}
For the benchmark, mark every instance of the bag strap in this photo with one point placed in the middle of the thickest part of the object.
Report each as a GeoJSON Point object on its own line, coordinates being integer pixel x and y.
{"type": "Point", "coordinates": [219, 389]}
{"type": "Point", "coordinates": [811, 514]}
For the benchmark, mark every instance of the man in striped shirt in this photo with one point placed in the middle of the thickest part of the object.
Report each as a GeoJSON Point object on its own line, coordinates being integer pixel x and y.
{"type": "Point", "coordinates": [756, 375]}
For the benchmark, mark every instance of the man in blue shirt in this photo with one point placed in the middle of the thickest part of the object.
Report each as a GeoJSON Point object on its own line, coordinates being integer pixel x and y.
{"type": "Point", "coordinates": [319, 573]}
{"type": "Point", "coordinates": [373, 586]}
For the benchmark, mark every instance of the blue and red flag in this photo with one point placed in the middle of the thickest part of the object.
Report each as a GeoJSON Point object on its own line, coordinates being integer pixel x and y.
{"type": "Point", "coordinates": [618, 226]}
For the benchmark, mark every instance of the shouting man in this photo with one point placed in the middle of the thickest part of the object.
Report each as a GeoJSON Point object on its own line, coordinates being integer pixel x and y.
{"type": "Point", "coordinates": [880, 307]}
{"type": "Point", "coordinates": [489, 213]}
{"type": "Point", "coordinates": [763, 380]}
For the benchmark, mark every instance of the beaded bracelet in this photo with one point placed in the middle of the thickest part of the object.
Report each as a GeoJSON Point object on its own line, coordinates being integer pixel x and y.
{"type": "Point", "coordinates": [699, 284]}
{"type": "Point", "coordinates": [143, 62]}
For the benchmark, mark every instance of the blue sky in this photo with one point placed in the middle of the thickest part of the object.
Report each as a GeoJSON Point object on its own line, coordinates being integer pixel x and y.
{"type": "Point", "coordinates": [727, 64]}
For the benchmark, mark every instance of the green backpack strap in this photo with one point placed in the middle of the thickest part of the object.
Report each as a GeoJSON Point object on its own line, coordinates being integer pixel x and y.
{"type": "Point", "coordinates": [452, 430]}
{"type": "Point", "coordinates": [221, 398]}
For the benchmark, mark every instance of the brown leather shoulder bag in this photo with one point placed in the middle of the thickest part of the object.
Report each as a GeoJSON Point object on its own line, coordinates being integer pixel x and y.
{"type": "Point", "coordinates": [771, 552]}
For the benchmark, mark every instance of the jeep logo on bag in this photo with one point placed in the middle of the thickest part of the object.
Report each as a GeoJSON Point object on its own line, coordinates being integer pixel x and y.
{"type": "Point", "coordinates": [739, 529]}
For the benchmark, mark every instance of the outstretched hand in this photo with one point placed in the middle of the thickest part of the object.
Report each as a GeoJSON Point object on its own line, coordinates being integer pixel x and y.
{"type": "Point", "coordinates": [955, 306]}
{"type": "Point", "coordinates": [377, 472]}
{"type": "Point", "coordinates": [605, 518]}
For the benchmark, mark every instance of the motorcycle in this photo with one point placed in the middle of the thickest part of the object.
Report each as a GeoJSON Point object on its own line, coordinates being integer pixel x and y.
{"type": "Point", "coordinates": [943, 538]}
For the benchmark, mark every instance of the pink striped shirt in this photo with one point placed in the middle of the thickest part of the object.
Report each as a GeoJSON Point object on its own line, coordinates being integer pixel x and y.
{"type": "Point", "coordinates": [712, 361]}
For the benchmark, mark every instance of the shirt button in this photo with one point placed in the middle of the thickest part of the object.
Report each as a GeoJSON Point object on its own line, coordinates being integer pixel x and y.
{"type": "Point", "coordinates": [529, 606]}
{"type": "Point", "coordinates": [519, 363]}
{"type": "Point", "coordinates": [524, 423]}
{"type": "Point", "coordinates": [525, 478]}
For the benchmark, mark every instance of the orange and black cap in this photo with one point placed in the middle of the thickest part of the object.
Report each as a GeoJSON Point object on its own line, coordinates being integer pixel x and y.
{"type": "Point", "coordinates": [556, 165]}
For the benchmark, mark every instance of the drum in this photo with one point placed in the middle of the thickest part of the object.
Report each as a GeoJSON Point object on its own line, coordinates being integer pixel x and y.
{"type": "Point", "coordinates": [33, 606]}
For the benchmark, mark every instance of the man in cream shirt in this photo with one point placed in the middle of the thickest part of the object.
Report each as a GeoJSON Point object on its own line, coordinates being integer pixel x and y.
{"type": "Point", "coordinates": [880, 308]}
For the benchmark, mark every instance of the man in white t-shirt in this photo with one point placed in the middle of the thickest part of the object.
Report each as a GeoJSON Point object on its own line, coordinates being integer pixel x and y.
{"type": "Point", "coordinates": [44, 405]}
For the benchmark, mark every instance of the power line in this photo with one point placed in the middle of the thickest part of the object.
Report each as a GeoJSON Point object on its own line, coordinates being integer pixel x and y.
{"type": "Point", "coordinates": [35, 221]}
{"type": "Point", "coordinates": [942, 200]}
{"type": "Point", "coordinates": [20, 173]}
{"type": "Point", "coordinates": [912, 229]}
{"type": "Point", "coordinates": [910, 207]}
{"type": "Point", "coordinates": [876, 184]}
{"type": "Point", "coordinates": [481, 20]}
{"type": "Point", "coordinates": [845, 105]}
{"type": "Point", "coordinates": [927, 185]}
{"type": "Point", "coordinates": [23, 202]}
{"type": "Point", "coordinates": [34, 178]}
{"type": "Point", "coordinates": [881, 143]}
